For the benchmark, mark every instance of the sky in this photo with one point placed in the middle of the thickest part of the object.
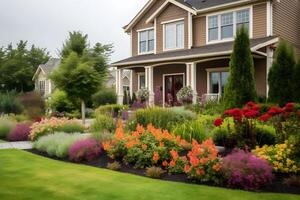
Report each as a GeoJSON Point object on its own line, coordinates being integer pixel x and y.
{"type": "Point", "coordinates": [46, 23]}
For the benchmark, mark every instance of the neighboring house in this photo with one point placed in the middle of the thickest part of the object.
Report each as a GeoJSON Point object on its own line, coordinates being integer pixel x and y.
{"type": "Point", "coordinates": [43, 84]}
{"type": "Point", "coordinates": [176, 43]}
{"type": "Point", "coordinates": [126, 77]}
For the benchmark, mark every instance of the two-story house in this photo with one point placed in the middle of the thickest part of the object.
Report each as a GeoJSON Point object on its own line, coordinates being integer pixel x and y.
{"type": "Point", "coordinates": [176, 43]}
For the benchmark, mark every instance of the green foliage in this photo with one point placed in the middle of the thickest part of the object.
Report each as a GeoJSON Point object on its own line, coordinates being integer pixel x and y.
{"type": "Point", "coordinates": [6, 125]}
{"type": "Point", "coordinates": [71, 128]}
{"type": "Point", "coordinates": [77, 42]}
{"type": "Point", "coordinates": [240, 88]}
{"type": "Point", "coordinates": [103, 123]}
{"type": "Point", "coordinates": [110, 109]}
{"type": "Point", "coordinates": [18, 65]}
{"type": "Point", "coordinates": [9, 103]}
{"type": "Point", "coordinates": [280, 76]}
{"type": "Point", "coordinates": [265, 135]}
{"type": "Point", "coordinates": [57, 144]}
{"type": "Point", "coordinates": [60, 102]}
{"type": "Point", "coordinates": [154, 172]}
{"type": "Point", "coordinates": [104, 96]}
{"type": "Point", "coordinates": [164, 118]}
{"type": "Point", "coordinates": [33, 103]}
{"type": "Point", "coordinates": [114, 166]}
{"type": "Point", "coordinates": [296, 90]}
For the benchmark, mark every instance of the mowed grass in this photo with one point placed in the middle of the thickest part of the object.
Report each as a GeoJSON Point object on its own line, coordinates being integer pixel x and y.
{"type": "Point", "coordinates": [27, 176]}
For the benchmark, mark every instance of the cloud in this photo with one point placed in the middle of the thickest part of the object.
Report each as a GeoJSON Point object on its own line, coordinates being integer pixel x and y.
{"type": "Point", "coordinates": [46, 23]}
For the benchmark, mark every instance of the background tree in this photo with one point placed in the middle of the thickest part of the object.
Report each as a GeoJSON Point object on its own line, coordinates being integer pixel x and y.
{"type": "Point", "coordinates": [18, 65]}
{"type": "Point", "coordinates": [281, 87]}
{"type": "Point", "coordinates": [240, 88]}
{"type": "Point", "coordinates": [297, 82]}
{"type": "Point", "coordinates": [83, 69]}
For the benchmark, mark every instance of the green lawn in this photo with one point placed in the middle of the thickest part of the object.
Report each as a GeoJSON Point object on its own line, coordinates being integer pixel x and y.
{"type": "Point", "coordinates": [27, 176]}
{"type": "Point", "coordinates": [2, 141]}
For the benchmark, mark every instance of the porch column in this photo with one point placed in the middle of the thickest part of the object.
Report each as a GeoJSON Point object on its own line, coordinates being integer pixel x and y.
{"type": "Point", "coordinates": [119, 86]}
{"type": "Point", "coordinates": [149, 83]}
{"type": "Point", "coordinates": [270, 53]}
{"type": "Point", "coordinates": [191, 79]}
{"type": "Point", "coordinates": [131, 83]}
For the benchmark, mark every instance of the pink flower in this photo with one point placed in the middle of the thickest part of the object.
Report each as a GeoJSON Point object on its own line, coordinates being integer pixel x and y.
{"type": "Point", "coordinates": [218, 122]}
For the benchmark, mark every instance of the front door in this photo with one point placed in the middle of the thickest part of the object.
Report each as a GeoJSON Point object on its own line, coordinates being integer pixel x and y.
{"type": "Point", "coordinates": [173, 83]}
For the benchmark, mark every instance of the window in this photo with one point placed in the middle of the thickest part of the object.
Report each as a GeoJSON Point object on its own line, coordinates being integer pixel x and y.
{"type": "Point", "coordinates": [146, 41]}
{"type": "Point", "coordinates": [141, 81]}
{"type": "Point", "coordinates": [42, 87]}
{"type": "Point", "coordinates": [218, 80]}
{"type": "Point", "coordinates": [174, 35]}
{"type": "Point", "coordinates": [223, 26]}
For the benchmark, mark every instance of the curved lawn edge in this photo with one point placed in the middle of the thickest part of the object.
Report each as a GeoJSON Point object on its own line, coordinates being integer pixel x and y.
{"type": "Point", "coordinates": [27, 176]}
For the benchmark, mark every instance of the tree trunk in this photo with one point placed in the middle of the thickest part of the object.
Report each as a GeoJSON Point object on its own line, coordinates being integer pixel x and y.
{"type": "Point", "coordinates": [83, 111]}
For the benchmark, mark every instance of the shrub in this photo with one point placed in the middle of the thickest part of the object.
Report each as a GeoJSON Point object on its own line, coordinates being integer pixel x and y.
{"type": "Point", "coordinates": [20, 132]}
{"type": "Point", "coordinates": [244, 170]}
{"type": "Point", "coordinates": [33, 103]}
{"type": "Point", "coordinates": [84, 150]}
{"type": "Point", "coordinates": [185, 95]}
{"type": "Point", "coordinates": [104, 96]}
{"type": "Point", "coordinates": [103, 123]}
{"type": "Point", "coordinates": [9, 103]}
{"type": "Point", "coordinates": [203, 164]}
{"type": "Point", "coordinates": [191, 130]}
{"type": "Point", "coordinates": [265, 135]}
{"type": "Point", "coordinates": [57, 144]}
{"type": "Point", "coordinates": [143, 147]}
{"type": "Point", "coordinates": [279, 156]}
{"type": "Point", "coordinates": [60, 102]}
{"type": "Point", "coordinates": [49, 126]}
{"type": "Point", "coordinates": [154, 172]}
{"type": "Point", "coordinates": [164, 118]}
{"type": "Point", "coordinates": [111, 110]}
{"type": "Point", "coordinates": [114, 166]}
{"type": "Point", "coordinates": [102, 136]}
{"type": "Point", "coordinates": [6, 125]}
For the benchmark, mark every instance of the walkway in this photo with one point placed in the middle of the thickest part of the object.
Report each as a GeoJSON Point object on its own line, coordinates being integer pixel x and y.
{"type": "Point", "coordinates": [16, 145]}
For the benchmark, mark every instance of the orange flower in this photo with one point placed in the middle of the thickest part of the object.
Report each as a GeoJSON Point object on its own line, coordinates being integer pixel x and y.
{"type": "Point", "coordinates": [173, 163]}
{"type": "Point", "coordinates": [150, 128]}
{"type": "Point", "coordinates": [155, 157]}
{"type": "Point", "coordinates": [135, 134]}
{"type": "Point", "coordinates": [106, 145]}
{"type": "Point", "coordinates": [119, 133]}
{"type": "Point", "coordinates": [187, 168]}
{"type": "Point", "coordinates": [167, 135]}
{"type": "Point", "coordinates": [144, 147]}
{"type": "Point", "coordinates": [140, 129]}
{"type": "Point", "coordinates": [174, 154]}
{"type": "Point", "coordinates": [165, 163]}
{"type": "Point", "coordinates": [194, 161]}
{"type": "Point", "coordinates": [203, 160]}
{"type": "Point", "coordinates": [184, 158]}
{"type": "Point", "coordinates": [161, 144]}
{"type": "Point", "coordinates": [130, 144]}
{"type": "Point", "coordinates": [217, 167]}
{"type": "Point", "coordinates": [200, 172]}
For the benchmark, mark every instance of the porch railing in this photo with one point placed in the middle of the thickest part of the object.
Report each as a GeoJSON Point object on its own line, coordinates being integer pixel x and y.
{"type": "Point", "coordinates": [206, 98]}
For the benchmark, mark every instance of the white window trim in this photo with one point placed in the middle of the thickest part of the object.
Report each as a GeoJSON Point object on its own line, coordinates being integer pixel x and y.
{"type": "Point", "coordinates": [210, 70]}
{"type": "Point", "coordinates": [146, 29]}
{"type": "Point", "coordinates": [234, 24]}
{"type": "Point", "coordinates": [139, 75]}
{"type": "Point", "coordinates": [163, 83]}
{"type": "Point", "coordinates": [164, 33]}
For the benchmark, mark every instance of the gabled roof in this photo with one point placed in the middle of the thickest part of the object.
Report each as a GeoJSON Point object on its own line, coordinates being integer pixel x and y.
{"type": "Point", "coordinates": [48, 67]}
{"type": "Point", "coordinates": [211, 50]}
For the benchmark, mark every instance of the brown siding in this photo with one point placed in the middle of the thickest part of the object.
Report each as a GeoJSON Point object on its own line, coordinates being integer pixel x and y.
{"type": "Point", "coordinates": [142, 24]}
{"type": "Point", "coordinates": [199, 31]}
{"type": "Point", "coordinates": [286, 21]}
{"type": "Point", "coordinates": [170, 13]}
{"type": "Point", "coordinates": [260, 20]}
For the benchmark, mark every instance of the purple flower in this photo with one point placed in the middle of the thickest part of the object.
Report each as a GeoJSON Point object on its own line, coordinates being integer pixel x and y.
{"type": "Point", "coordinates": [86, 149]}
{"type": "Point", "coordinates": [20, 132]}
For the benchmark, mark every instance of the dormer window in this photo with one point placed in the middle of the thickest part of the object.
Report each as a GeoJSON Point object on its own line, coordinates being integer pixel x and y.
{"type": "Point", "coordinates": [223, 26]}
{"type": "Point", "coordinates": [146, 41]}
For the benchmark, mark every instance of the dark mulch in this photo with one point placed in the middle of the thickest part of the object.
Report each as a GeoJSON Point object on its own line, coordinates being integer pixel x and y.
{"type": "Point", "coordinates": [276, 187]}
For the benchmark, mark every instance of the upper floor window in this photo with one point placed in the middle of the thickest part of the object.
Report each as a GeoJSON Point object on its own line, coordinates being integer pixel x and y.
{"type": "Point", "coordinates": [174, 35]}
{"type": "Point", "coordinates": [224, 26]}
{"type": "Point", "coordinates": [146, 41]}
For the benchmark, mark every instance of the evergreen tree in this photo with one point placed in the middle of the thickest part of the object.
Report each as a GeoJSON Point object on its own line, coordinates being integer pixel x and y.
{"type": "Point", "coordinates": [281, 87]}
{"type": "Point", "coordinates": [297, 82]}
{"type": "Point", "coordinates": [240, 88]}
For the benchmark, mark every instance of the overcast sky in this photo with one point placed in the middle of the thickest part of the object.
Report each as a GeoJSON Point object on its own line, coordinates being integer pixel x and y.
{"type": "Point", "coordinates": [46, 22]}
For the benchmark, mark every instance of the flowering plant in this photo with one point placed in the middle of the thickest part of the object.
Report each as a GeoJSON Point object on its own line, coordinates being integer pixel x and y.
{"type": "Point", "coordinates": [84, 149]}
{"type": "Point", "coordinates": [279, 156]}
{"type": "Point", "coordinates": [20, 132]}
{"type": "Point", "coordinates": [143, 94]}
{"type": "Point", "coordinates": [244, 170]}
{"type": "Point", "coordinates": [203, 164]}
{"type": "Point", "coordinates": [185, 95]}
{"type": "Point", "coordinates": [49, 126]}
{"type": "Point", "coordinates": [144, 147]}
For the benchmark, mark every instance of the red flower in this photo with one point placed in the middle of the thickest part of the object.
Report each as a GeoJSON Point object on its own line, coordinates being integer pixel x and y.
{"type": "Point", "coordinates": [275, 111]}
{"type": "Point", "coordinates": [265, 117]}
{"type": "Point", "coordinates": [252, 106]}
{"type": "Point", "coordinates": [289, 107]}
{"type": "Point", "coordinates": [251, 113]}
{"type": "Point", "coordinates": [236, 113]}
{"type": "Point", "coordinates": [218, 122]}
